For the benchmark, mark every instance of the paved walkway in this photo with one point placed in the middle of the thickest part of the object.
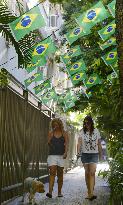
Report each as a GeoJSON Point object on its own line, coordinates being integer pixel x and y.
{"type": "Point", "coordinates": [74, 190]}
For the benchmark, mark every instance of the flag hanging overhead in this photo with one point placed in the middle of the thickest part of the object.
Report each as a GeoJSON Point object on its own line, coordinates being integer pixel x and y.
{"type": "Point", "coordinates": [110, 57]}
{"type": "Point", "coordinates": [112, 76]}
{"type": "Point", "coordinates": [92, 16]}
{"type": "Point", "coordinates": [107, 31]}
{"type": "Point", "coordinates": [30, 67]}
{"type": "Point", "coordinates": [74, 51]}
{"type": "Point", "coordinates": [45, 85]}
{"type": "Point", "coordinates": [76, 67]}
{"type": "Point", "coordinates": [34, 78]}
{"type": "Point", "coordinates": [108, 43]}
{"type": "Point", "coordinates": [93, 80]}
{"type": "Point", "coordinates": [111, 7]}
{"type": "Point", "coordinates": [50, 95]}
{"type": "Point", "coordinates": [78, 77]}
{"type": "Point", "coordinates": [42, 49]}
{"type": "Point", "coordinates": [27, 22]}
{"type": "Point", "coordinates": [76, 33]}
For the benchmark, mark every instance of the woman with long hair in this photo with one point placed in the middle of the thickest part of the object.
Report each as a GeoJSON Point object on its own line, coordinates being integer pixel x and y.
{"type": "Point", "coordinates": [89, 144]}
{"type": "Point", "coordinates": [58, 147]}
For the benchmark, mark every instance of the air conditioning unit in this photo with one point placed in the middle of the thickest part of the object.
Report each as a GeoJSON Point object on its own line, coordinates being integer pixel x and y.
{"type": "Point", "coordinates": [53, 21]}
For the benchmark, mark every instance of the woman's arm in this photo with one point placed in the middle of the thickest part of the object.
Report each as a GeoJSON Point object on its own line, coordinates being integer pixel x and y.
{"type": "Point", "coordinates": [66, 137]}
{"type": "Point", "coordinates": [100, 149]}
{"type": "Point", "coordinates": [79, 144]}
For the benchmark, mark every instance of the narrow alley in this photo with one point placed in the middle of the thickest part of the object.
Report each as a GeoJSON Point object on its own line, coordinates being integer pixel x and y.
{"type": "Point", "coordinates": [74, 190]}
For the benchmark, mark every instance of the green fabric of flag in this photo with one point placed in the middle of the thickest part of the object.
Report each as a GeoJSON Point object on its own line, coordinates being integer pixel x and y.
{"type": "Point", "coordinates": [114, 65]}
{"type": "Point", "coordinates": [30, 67]}
{"type": "Point", "coordinates": [93, 80]}
{"type": "Point", "coordinates": [68, 106]}
{"type": "Point", "coordinates": [78, 77]}
{"type": "Point", "coordinates": [50, 95]}
{"type": "Point", "coordinates": [108, 43]}
{"type": "Point", "coordinates": [76, 67]}
{"type": "Point", "coordinates": [92, 16]}
{"type": "Point", "coordinates": [76, 33]}
{"type": "Point", "coordinates": [34, 78]}
{"type": "Point", "coordinates": [27, 22]}
{"type": "Point", "coordinates": [111, 7]}
{"type": "Point", "coordinates": [112, 76]}
{"type": "Point", "coordinates": [107, 31]}
{"type": "Point", "coordinates": [43, 49]}
{"type": "Point", "coordinates": [45, 85]}
{"type": "Point", "coordinates": [110, 57]}
{"type": "Point", "coordinates": [74, 51]}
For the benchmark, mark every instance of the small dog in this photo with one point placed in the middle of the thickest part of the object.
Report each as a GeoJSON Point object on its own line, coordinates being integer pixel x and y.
{"type": "Point", "coordinates": [32, 186]}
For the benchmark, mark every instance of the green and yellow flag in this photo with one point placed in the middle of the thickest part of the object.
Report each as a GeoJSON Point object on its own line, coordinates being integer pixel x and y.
{"type": "Point", "coordinates": [68, 105]}
{"type": "Point", "coordinates": [110, 57]}
{"type": "Point", "coordinates": [76, 33]}
{"type": "Point", "coordinates": [76, 67]}
{"type": "Point", "coordinates": [78, 77]}
{"type": "Point", "coordinates": [30, 67]}
{"type": "Point", "coordinates": [108, 43]}
{"type": "Point", "coordinates": [92, 16]}
{"type": "Point", "coordinates": [93, 80]}
{"type": "Point", "coordinates": [27, 22]}
{"type": "Point", "coordinates": [45, 85]}
{"type": "Point", "coordinates": [111, 7]}
{"type": "Point", "coordinates": [43, 49]}
{"type": "Point", "coordinates": [112, 76]}
{"type": "Point", "coordinates": [107, 31]}
{"type": "Point", "coordinates": [74, 51]}
{"type": "Point", "coordinates": [34, 78]}
{"type": "Point", "coordinates": [50, 95]}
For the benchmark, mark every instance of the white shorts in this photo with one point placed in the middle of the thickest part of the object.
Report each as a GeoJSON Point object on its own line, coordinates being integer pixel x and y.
{"type": "Point", "coordinates": [55, 160]}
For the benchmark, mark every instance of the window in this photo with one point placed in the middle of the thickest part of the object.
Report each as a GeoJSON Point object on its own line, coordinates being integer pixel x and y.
{"type": "Point", "coordinates": [53, 21]}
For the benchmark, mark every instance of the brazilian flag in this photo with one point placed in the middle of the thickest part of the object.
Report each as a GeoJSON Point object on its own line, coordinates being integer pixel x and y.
{"type": "Point", "coordinates": [107, 31]}
{"type": "Point", "coordinates": [92, 16]}
{"type": "Point", "coordinates": [27, 22]}
{"type": "Point", "coordinates": [78, 77]}
{"type": "Point", "coordinates": [45, 85]}
{"type": "Point", "coordinates": [50, 95]}
{"type": "Point", "coordinates": [34, 78]}
{"type": "Point", "coordinates": [76, 33]}
{"type": "Point", "coordinates": [108, 43]}
{"type": "Point", "coordinates": [93, 80]}
{"type": "Point", "coordinates": [111, 7]}
{"type": "Point", "coordinates": [76, 67]}
{"type": "Point", "coordinates": [72, 52]}
{"type": "Point", "coordinates": [112, 76]}
{"type": "Point", "coordinates": [110, 57]}
{"type": "Point", "coordinates": [68, 105]}
{"type": "Point", "coordinates": [30, 67]}
{"type": "Point", "coordinates": [43, 49]}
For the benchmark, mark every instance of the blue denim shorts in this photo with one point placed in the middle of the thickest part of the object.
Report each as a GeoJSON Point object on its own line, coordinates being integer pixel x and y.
{"type": "Point", "coordinates": [88, 158]}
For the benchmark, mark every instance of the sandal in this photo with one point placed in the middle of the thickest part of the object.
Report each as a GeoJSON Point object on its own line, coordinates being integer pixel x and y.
{"type": "Point", "coordinates": [49, 195]}
{"type": "Point", "coordinates": [92, 198]}
{"type": "Point", "coordinates": [60, 195]}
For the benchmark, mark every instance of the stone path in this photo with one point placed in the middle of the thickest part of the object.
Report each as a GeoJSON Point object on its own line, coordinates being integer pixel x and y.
{"type": "Point", "coordinates": [74, 190]}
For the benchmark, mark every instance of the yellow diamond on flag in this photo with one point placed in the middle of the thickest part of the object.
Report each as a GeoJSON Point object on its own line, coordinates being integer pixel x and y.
{"type": "Point", "coordinates": [91, 15]}
{"type": "Point", "coordinates": [26, 21]}
{"type": "Point", "coordinates": [109, 29]}
{"type": "Point", "coordinates": [111, 56]}
{"type": "Point", "coordinates": [40, 49]}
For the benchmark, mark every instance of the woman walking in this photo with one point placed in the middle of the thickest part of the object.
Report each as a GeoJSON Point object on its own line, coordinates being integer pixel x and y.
{"type": "Point", "coordinates": [89, 145]}
{"type": "Point", "coordinates": [58, 147]}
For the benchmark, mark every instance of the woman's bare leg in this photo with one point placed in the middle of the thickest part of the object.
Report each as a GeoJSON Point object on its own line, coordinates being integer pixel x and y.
{"type": "Point", "coordinates": [60, 178]}
{"type": "Point", "coordinates": [92, 170]}
{"type": "Point", "coordinates": [52, 172]}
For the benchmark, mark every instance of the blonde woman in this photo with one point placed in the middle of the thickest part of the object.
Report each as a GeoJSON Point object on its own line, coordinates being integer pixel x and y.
{"type": "Point", "coordinates": [58, 147]}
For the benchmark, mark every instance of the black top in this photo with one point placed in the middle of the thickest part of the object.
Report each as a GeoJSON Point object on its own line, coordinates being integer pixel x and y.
{"type": "Point", "coordinates": [57, 146]}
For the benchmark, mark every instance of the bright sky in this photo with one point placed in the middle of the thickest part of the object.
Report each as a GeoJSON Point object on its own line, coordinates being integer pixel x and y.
{"type": "Point", "coordinates": [32, 3]}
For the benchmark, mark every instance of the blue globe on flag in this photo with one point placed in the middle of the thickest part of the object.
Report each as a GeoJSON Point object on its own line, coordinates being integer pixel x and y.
{"type": "Point", "coordinates": [109, 29]}
{"type": "Point", "coordinates": [70, 53]}
{"type": "Point", "coordinates": [25, 21]}
{"type": "Point", "coordinates": [77, 31]}
{"type": "Point", "coordinates": [111, 55]}
{"type": "Point", "coordinates": [109, 41]}
{"type": "Point", "coordinates": [40, 49]}
{"type": "Point", "coordinates": [75, 66]}
{"type": "Point", "coordinates": [77, 76]}
{"type": "Point", "coordinates": [91, 14]}
{"type": "Point", "coordinates": [91, 80]}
